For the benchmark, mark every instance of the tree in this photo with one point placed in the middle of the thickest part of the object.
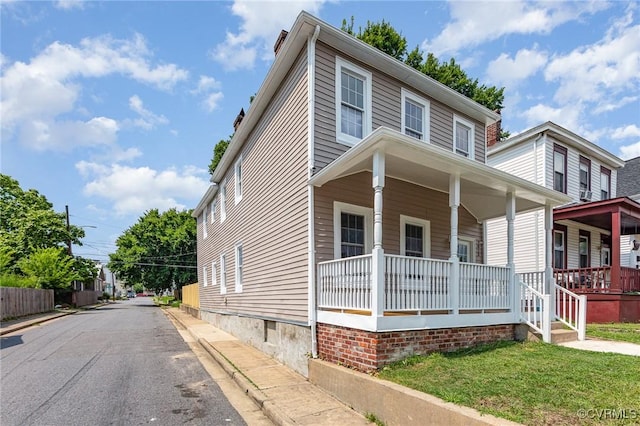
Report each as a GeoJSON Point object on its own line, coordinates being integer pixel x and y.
{"type": "Point", "coordinates": [28, 222]}
{"type": "Point", "coordinates": [218, 152]}
{"type": "Point", "coordinates": [384, 37]}
{"type": "Point", "coordinates": [158, 251]}
{"type": "Point", "coordinates": [51, 268]}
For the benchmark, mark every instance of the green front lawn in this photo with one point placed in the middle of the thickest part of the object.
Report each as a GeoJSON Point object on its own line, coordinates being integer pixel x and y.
{"type": "Point", "coordinates": [531, 383]}
{"type": "Point", "coordinates": [624, 332]}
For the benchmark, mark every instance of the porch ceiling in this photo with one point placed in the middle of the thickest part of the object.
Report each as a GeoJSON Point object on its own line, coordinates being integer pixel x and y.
{"type": "Point", "coordinates": [598, 214]}
{"type": "Point", "coordinates": [483, 189]}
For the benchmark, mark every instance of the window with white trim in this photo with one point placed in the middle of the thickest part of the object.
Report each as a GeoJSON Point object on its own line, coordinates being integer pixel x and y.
{"type": "Point", "coordinates": [223, 201]}
{"type": "Point", "coordinates": [463, 137]}
{"type": "Point", "coordinates": [239, 260]}
{"type": "Point", "coordinates": [353, 226]}
{"type": "Point", "coordinates": [560, 168]}
{"type": "Point", "coordinates": [559, 256]}
{"type": "Point", "coordinates": [203, 219]}
{"type": "Point", "coordinates": [213, 273]}
{"type": "Point", "coordinates": [223, 274]}
{"type": "Point", "coordinates": [214, 204]}
{"type": "Point", "coordinates": [238, 180]}
{"type": "Point", "coordinates": [415, 116]}
{"type": "Point", "coordinates": [466, 252]}
{"type": "Point", "coordinates": [353, 102]}
{"type": "Point", "coordinates": [204, 276]}
{"type": "Point", "coordinates": [415, 237]}
{"type": "Point", "coordinates": [605, 183]}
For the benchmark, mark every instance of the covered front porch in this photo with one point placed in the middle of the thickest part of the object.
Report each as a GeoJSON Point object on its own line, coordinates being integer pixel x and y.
{"type": "Point", "coordinates": [384, 290]}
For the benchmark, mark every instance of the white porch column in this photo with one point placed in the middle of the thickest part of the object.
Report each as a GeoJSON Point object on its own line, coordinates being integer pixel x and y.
{"type": "Point", "coordinates": [548, 271]}
{"type": "Point", "coordinates": [454, 202]}
{"type": "Point", "coordinates": [514, 284]}
{"type": "Point", "coordinates": [377, 253]}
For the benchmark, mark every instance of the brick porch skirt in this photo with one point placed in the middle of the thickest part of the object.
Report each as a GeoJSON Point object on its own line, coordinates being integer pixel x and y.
{"type": "Point", "coordinates": [367, 351]}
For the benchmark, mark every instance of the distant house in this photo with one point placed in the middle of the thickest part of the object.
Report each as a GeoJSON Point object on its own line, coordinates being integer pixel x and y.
{"type": "Point", "coordinates": [629, 186]}
{"type": "Point", "coordinates": [590, 235]}
{"type": "Point", "coordinates": [345, 218]}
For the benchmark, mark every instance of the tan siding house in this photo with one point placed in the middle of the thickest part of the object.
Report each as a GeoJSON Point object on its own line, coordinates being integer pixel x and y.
{"type": "Point", "coordinates": [363, 193]}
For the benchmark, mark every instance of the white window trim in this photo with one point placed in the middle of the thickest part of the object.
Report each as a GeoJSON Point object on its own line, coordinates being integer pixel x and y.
{"type": "Point", "coordinates": [405, 94]}
{"type": "Point", "coordinates": [238, 182]}
{"type": "Point", "coordinates": [472, 246]}
{"type": "Point", "coordinates": [472, 137]}
{"type": "Point", "coordinates": [426, 237]}
{"type": "Point", "coordinates": [366, 119]}
{"type": "Point", "coordinates": [204, 276]}
{"type": "Point", "coordinates": [223, 201]}
{"type": "Point", "coordinates": [338, 208]}
{"type": "Point", "coordinates": [213, 273]}
{"type": "Point", "coordinates": [238, 266]}
{"type": "Point", "coordinates": [204, 225]}
{"type": "Point", "coordinates": [213, 206]}
{"type": "Point", "coordinates": [223, 274]}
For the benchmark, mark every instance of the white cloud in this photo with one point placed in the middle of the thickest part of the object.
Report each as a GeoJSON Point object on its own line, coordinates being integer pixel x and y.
{"type": "Point", "coordinates": [476, 22]}
{"type": "Point", "coordinates": [567, 116]}
{"type": "Point", "coordinates": [147, 120]}
{"type": "Point", "coordinates": [262, 21]}
{"type": "Point", "coordinates": [207, 84]}
{"type": "Point", "coordinates": [209, 87]}
{"type": "Point", "coordinates": [212, 100]}
{"type": "Point", "coordinates": [598, 72]}
{"type": "Point", "coordinates": [507, 71]}
{"type": "Point", "coordinates": [69, 4]}
{"type": "Point", "coordinates": [33, 95]}
{"type": "Point", "coordinates": [41, 135]}
{"type": "Point", "coordinates": [630, 151]}
{"type": "Point", "coordinates": [134, 190]}
{"type": "Point", "coordinates": [630, 131]}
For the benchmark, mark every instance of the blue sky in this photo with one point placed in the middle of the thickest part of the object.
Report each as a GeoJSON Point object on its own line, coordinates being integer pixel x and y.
{"type": "Point", "coordinates": [113, 108]}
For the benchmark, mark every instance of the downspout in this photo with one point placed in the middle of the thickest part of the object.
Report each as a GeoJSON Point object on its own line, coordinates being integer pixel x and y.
{"type": "Point", "coordinates": [311, 253]}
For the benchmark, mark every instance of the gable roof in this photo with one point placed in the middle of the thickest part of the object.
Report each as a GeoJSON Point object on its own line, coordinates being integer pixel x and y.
{"type": "Point", "coordinates": [302, 29]}
{"type": "Point", "coordinates": [629, 178]}
{"type": "Point", "coordinates": [563, 135]}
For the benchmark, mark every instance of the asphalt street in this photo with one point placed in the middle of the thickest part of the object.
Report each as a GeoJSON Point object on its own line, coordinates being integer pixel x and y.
{"type": "Point", "coordinates": [122, 364]}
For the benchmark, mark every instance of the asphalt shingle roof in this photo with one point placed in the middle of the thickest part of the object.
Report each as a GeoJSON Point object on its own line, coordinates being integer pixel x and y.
{"type": "Point", "coordinates": [629, 178]}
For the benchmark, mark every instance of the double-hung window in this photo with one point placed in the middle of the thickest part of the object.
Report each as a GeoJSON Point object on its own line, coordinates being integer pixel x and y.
{"type": "Point", "coordinates": [585, 176]}
{"type": "Point", "coordinates": [352, 230]}
{"type": "Point", "coordinates": [463, 137]}
{"type": "Point", "coordinates": [353, 102]}
{"type": "Point", "coordinates": [415, 236]}
{"type": "Point", "coordinates": [213, 210]}
{"type": "Point", "coordinates": [605, 183]}
{"type": "Point", "coordinates": [465, 250]}
{"type": "Point", "coordinates": [223, 201]}
{"type": "Point", "coordinates": [223, 274]}
{"type": "Point", "coordinates": [238, 270]}
{"type": "Point", "coordinates": [204, 276]}
{"type": "Point", "coordinates": [415, 116]}
{"type": "Point", "coordinates": [204, 223]}
{"type": "Point", "coordinates": [559, 247]}
{"type": "Point", "coordinates": [213, 273]}
{"type": "Point", "coordinates": [560, 168]}
{"type": "Point", "coordinates": [584, 249]}
{"type": "Point", "coordinates": [238, 179]}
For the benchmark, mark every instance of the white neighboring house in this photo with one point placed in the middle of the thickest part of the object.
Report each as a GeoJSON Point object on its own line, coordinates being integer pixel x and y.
{"type": "Point", "coordinates": [590, 234]}
{"type": "Point", "coordinates": [629, 186]}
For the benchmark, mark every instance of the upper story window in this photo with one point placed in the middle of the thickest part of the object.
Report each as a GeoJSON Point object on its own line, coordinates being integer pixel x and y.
{"type": "Point", "coordinates": [223, 201]}
{"type": "Point", "coordinates": [238, 179]}
{"type": "Point", "coordinates": [560, 168]}
{"type": "Point", "coordinates": [203, 219]}
{"type": "Point", "coordinates": [585, 174]}
{"type": "Point", "coordinates": [353, 102]}
{"type": "Point", "coordinates": [605, 183]}
{"type": "Point", "coordinates": [415, 116]}
{"type": "Point", "coordinates": [463, 137]}
{"type": "Point", "coordinates": [213, 207]}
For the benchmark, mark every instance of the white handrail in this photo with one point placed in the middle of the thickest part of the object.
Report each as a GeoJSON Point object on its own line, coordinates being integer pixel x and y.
{"type": "Point", "coordinates": [534, 307]}
{"type": "Point", "coordinates": [571, 310]}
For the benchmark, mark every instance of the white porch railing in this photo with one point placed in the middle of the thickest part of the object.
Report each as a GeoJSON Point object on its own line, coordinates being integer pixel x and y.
{"type": "Point", "coordinates": [571, 310]}
{"type": "Point", "coordinates": [413, 285]}
{"type": "Point", "coordinates": [534, 308]}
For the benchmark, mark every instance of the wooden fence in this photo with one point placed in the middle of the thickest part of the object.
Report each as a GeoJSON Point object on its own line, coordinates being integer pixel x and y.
{"type": "Point", "coordinates": [18, 302]}
{"type": "Point", "coordinates": [85, 297]}
{"type": "Point", "coordinates": [191, 295]}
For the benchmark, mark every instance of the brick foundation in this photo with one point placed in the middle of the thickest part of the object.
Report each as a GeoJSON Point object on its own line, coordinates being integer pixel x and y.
{"type": "Point", "coordinates": [367, 351]}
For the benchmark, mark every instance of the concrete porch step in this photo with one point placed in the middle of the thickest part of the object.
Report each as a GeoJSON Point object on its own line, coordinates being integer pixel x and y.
{"type": "Point", "coordinates": [559, 334]}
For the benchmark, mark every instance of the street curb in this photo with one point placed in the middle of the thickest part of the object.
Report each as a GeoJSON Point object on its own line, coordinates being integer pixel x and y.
{"type": "Point", "coordinates": [28, 323]}
{"type": "Point", "coordinates": [257, 396]}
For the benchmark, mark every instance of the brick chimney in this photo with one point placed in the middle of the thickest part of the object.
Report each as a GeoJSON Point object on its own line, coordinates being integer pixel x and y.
{"type": "Point", "coordinates": [279, 41]}
{"type": "Point", "coordinates": [238, 119]}
{"type": "Point", "coordinates": [493, 133]}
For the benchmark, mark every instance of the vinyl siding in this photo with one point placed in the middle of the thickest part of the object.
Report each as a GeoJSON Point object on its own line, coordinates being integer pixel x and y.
{"type": "Point", "coordinates": [270, 220]}
{"type": "Point", "coordinates": [386, 104]}
{"type": "Point", "coordinates": [399, 198]}
{"type": "Point", "coordinates": [521, 161]}
{"type": "Point", "coordinates": [528, 251]}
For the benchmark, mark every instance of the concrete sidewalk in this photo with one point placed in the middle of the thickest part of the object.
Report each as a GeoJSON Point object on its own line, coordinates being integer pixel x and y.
{"type": "Point", "coordinates": [604, 346]}
{"type": "Point", "coordinates": [10, 326]}
{"type": "Point", "coordinates": [285, 396]}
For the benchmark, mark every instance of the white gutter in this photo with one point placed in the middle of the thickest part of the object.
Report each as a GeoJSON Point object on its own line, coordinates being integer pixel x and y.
{"type": "Point", "coordinates": [311, 259]}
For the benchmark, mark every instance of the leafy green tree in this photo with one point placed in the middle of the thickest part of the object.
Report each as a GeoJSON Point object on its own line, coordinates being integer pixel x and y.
{"type": "Point", "coordinates": [218, 152]}
{"type": "Point", "coordinates": [28, 222]}
{"type": "Point", "coordinates": [158, 251]}
{"type": "Point", "coordinates": [51, 268]}
{"type": "Point", "coordinates": [138, 288]}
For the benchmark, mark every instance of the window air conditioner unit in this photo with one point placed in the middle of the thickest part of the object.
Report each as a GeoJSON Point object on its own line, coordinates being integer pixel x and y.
{"type": "Point", "coordinates": [585, 195]}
